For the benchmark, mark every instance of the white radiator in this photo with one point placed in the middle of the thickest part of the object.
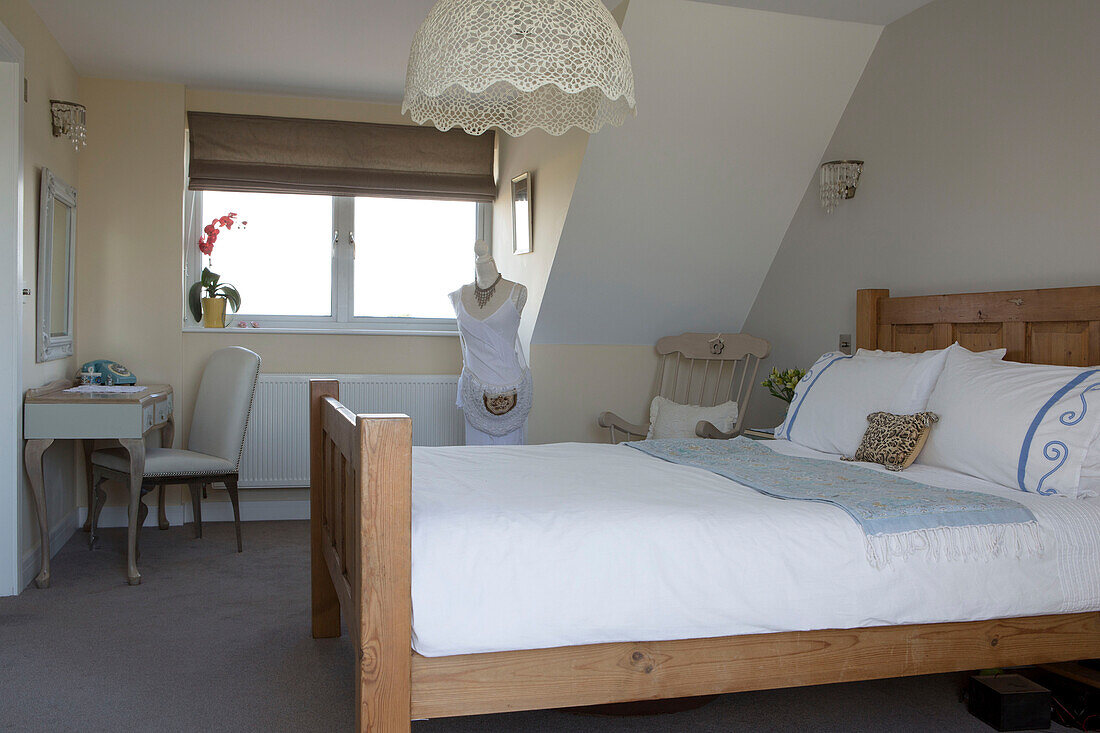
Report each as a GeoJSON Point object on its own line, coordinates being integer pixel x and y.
{"type": "Point", "coordinates": [276, 446]}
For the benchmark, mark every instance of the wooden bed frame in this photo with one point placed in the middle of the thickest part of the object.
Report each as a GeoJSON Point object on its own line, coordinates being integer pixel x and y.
{"type": "Point", "coordinates": [361, 514]}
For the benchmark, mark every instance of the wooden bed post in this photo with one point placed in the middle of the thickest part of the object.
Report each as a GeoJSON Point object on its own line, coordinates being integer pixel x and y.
{"type": "Point", "coordinates": [325, 602]}
{"type": "Point", "coordinates": [384, 582]}
{"type": "Point", "coordinates": [867, 303]}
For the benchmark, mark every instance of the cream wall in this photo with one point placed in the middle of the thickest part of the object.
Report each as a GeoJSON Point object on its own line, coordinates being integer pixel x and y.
{"type": "Point", "coordinates": [131, 228]}
{"type": "Point", "coordinates": [620, 376]}
{"type": "Point", "coordinates": [131, 223]}
{"type": "Point", "coordinates": [574, 383]}
{"type": "Point", "coordinates": [137, 169]}
{"type": "Point", "coordinates": [50, 75]}
{"type": "Point", "coordinates": [133, 311]}
{"type": "Point", "coordinates": [313, 353]}
{"type": "Point", "coordinates": [318, 108]}
{"type": "Point", "coordinates": [978, 122]}
{"type": "Point", "coordinates": [553, 163]}
{"type": "Point", "coordinates": [130, 306]}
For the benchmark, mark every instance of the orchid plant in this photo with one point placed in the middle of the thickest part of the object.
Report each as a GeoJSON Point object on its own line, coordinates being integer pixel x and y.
{"type": "Point", "coordinates": [210, 284]}
{"type": "Point", "coordinates": [782, 384]}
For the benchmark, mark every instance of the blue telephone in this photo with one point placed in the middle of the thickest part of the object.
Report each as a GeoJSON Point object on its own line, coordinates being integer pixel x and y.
{"type": "Point", "coordinates": [103, 371]}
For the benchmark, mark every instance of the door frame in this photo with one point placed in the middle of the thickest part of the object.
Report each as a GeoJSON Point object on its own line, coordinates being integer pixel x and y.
{"type": "Point", "coordinates": [11, 308]}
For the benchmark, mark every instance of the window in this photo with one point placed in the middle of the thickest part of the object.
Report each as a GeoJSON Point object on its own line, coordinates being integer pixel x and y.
{"type": "Point", "coordinates": [340, 262]}
{"type": "Point", "coordinates": [409, 254]}
{"type": "Point", "coordinates": [282, 260]}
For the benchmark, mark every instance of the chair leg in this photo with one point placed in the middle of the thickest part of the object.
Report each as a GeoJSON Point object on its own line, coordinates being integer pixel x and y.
{"type": "Point", "coordinates": [196, 506]}
{"type": "Point", "coordinates": [143, 514]}
{"type": "Point", "coordinates": [162, 516]}
{"type": "Point", "coordinates": [98, 500]}
{"type": "Point", "coordinates": [231, 487]}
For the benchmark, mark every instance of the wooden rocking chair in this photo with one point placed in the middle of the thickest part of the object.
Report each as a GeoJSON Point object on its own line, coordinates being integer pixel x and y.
{"type": "Point", "coordinates": [701, 369]}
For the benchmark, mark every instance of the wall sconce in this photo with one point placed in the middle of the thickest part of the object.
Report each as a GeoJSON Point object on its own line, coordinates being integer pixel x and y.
{"type": "Point", "coordinates": [839, 179]}
{"type": "Point", "coordinates": [68, 121]}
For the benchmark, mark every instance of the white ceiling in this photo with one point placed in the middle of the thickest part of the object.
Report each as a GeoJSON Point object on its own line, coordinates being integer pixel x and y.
{"type": "Point", "coordinates": [354, 49]}
{"type": "Point", "coordinates": [342, 48]}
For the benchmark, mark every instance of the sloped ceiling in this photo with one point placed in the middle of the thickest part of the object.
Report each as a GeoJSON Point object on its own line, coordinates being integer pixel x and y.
{"type": "Point", "coordinates": [354, 49]}
{"type": "Point", "coordinates": [677, 215]}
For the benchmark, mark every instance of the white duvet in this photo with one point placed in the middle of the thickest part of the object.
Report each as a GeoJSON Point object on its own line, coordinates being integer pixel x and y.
{"type": "Point", "coordinates": [526, 547]}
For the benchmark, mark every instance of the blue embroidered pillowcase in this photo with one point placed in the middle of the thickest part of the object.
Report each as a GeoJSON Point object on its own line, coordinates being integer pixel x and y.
{"type": "Point", "coordinates": [831, 403]}
{"type": "Point", "coordinates": [1028, 426]}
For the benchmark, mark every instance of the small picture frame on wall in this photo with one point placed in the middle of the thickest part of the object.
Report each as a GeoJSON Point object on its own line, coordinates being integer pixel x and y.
{"type": "Point", "coordinates": [522, 219]}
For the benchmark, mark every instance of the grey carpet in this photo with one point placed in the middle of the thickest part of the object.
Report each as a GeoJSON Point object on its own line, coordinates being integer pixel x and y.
{"type": "Point", "coordinates": [214, 641]}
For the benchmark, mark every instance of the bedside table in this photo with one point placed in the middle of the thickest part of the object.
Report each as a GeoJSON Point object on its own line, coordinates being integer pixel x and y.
{"type": "Point", "coordinates": [760, 433]}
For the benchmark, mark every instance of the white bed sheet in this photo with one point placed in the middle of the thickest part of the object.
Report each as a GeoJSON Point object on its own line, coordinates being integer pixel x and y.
{"type": "Point", "coordinates": [527, 547]}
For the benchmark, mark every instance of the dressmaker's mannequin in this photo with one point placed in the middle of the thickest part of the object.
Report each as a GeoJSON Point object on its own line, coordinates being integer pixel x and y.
{"type": "Point", "coordinates": [495, 388]}
{"type": "Point", "coordinates": [485, 274]}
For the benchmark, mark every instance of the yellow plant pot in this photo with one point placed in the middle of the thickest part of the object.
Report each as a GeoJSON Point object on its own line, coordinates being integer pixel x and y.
{"type": "Point", "coordinates": [213, 312]}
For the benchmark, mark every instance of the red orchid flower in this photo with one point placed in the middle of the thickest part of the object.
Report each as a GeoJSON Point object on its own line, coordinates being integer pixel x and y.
{"type": "Point", "coordinates": [211, 231]}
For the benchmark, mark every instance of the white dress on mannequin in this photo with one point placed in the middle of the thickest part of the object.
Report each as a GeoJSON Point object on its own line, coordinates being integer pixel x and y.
{"type": "Point", "coordinates": [493, 365]}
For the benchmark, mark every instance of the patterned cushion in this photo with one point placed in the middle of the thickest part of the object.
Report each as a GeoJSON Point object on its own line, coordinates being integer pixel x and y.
{"type": "Point", "coordinates": [894, 440]}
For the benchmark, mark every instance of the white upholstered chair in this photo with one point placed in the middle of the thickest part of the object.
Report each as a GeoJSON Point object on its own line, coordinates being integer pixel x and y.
{"type": "Point", "coordinates": [213, 453]}
{"type": "Point", "coordinates": [701, 369]}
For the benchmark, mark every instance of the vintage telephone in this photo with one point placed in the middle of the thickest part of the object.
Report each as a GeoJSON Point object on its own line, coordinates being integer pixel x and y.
{"type": "Point", "coordinates": [103, 371]}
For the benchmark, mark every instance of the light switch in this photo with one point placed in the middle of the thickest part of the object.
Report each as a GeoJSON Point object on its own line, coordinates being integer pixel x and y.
{"type": "Point", "coordinates": [845, 346]}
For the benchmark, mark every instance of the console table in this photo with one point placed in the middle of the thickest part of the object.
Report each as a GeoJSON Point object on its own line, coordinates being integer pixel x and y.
{"type": "Point", "coordinates": [51, 413]}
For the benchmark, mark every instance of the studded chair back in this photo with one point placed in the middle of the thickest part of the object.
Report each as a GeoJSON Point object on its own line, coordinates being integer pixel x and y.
{"type": "Point", "coordinates": [224, 403]}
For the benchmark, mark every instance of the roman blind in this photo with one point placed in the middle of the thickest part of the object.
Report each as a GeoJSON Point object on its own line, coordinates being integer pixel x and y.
{"type": "Point", "coordinates": [285, 155]}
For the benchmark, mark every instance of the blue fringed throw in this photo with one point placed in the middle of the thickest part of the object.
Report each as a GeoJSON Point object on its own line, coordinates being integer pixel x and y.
{"type": "Point", "coordinates": [898, 517]}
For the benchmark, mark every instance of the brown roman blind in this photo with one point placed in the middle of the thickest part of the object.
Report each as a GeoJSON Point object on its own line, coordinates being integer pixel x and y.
{"type": "Point", "coordinates": [285, 155]}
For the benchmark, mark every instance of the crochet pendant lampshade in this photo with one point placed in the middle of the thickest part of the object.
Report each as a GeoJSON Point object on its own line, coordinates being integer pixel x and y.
{"type": "Point", "coordinates": [517, 65]}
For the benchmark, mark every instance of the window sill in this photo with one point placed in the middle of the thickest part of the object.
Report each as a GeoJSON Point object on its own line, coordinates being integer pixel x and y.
{"type": "Point", "coordinates": [343, 331]}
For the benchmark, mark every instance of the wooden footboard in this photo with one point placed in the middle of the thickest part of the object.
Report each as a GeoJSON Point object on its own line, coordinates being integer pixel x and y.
{"type": "Point", "coordinates": [360, 521]}
{"type": "Point", "coordinates": [360, 537]}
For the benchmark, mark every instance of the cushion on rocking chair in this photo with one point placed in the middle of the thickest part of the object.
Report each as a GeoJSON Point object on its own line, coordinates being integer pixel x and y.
{"type": "Point", "coordinates": [668, 419]}
{"type": "Point", "coordinates": [165, 462]}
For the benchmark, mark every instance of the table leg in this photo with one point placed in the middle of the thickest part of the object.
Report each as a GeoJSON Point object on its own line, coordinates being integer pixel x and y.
{"type": "Point", "coordinates": [89, 447]}
{"type": "Point", "coordinates": [136, 448]}
{"type": "Point", "coordinates": [167, 435]}
{"type": "Point", "coordinates": [32, 456]}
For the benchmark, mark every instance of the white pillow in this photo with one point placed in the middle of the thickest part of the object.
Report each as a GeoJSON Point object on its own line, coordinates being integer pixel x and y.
{"type": "Point", "coordinates": [995, 354]}
{"type": "Point", "coordinates": [1089, 487]}
{"type": "Point", "coordinates": [668, 419]}
{"type": "Point", "coordinates": [1027, 426]}
{"type": "Point", "coordinates": [831, 403]}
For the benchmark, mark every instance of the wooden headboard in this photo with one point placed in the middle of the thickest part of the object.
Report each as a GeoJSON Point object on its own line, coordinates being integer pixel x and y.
{"type": "Point", "coordinates": [1052, 326]}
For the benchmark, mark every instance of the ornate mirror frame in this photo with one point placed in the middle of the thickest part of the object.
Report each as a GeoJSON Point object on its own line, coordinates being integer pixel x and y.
{"type": "Point", "coordinates": [54, 343]}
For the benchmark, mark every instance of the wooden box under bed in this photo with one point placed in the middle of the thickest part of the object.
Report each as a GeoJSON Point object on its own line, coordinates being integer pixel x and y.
{"type": "Point", "coordinates": [361, 517]}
